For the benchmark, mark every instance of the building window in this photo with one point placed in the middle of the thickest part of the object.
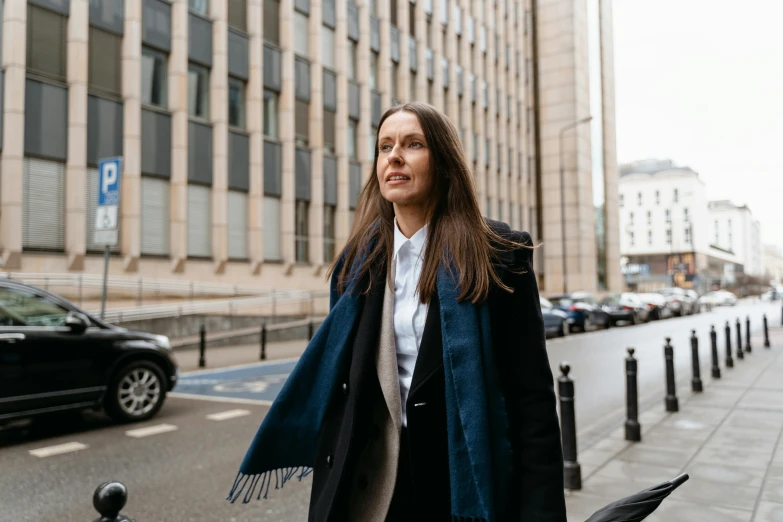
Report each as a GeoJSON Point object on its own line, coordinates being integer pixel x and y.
{"type": "Point", "coordinates": [685, 214]}
{"type": "Point", "coordinates": [301, 35]}
{"type": "Point", "coordinates": [154, 74]}
{"type": "Point", "coordinates": [198, 91]}
{"type": "Point", "coordinates": [237, 224]}
{"type": "Point", "coordinates": [302, 117]}
{"type": "Point", "coordinates": [327, 47]}
{"type": "Point", "coordinates": [631, 238]}
{"type": "Point", "coordinates": [329, 213]}
{"type": "Point", "coordinates": [639, 199]}
{"type": "Point", "coordinates": [630, 219]}
{"type": "Point", "coordinates": [676, 195]}
{"type": "Point", "coordinates": [352, 139]}
{"type": "Point", "coordinates": [236, 103]}
{"type": "Point", "coordinates": [198, 6]}
{"type": "Point", "coordinates": [237, 14]}
{"type": "Point", "coordinates": [657, 197]}
{"type": "Point", "coordinates": [301, 233]}
{"type": "Point", "coordinates": [649, 237]}
{"type": "Point", "coordinates": [374, 70]}
{"type": "Point", "coordinates": [270, 114]}
{"type": "Point", "coordinates": [373, 7]}
{"type": "Point", "coordinates": [272, 21]}
{"type": "Point", "coordinates": [668, 216]}
{"type": "Point", "coordinates": [393, 12]}
{"type": "Point", "coordinates": [649, 217]}
{"type": "Point", "coordinates": [394, 82]}
{"type": "Point", "coordinates": [351, 60]}
{"type": "Point", "coordinates": [105, 62]}
{"type": "Point", "coordinates": [669, 236]}
{"type": "Point", "coordinates": [371, 142]}
{"type": "Point", "coordinates": [412, 18]}
{"type": "Point", "coordinates": [199, 221]}
{"type": "Point", "coordinates": [717, 230]}
{"type": "Point", "coordinates": [329, 132]}
{"type": "Point", "coordinates": [272, 229]}
{"type": "Point", "coordinates": [687, 234]}
{"type": "Point", "coordinates": [622, 200]}
{"type": "Point", "coordinates": [46, 42]}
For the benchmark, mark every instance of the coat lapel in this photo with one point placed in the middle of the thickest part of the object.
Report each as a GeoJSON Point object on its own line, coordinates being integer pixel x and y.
{"type": "Point", "coordinates": [430, 356]}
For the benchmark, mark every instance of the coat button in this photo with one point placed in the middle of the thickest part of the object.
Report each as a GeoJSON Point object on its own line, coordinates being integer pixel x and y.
{"type": "Point", "coordinates": [329, 461]}
{"type": "Point", "coordinates": [361, 483]}
{"type": "Point", "coordinates": [345, 388]}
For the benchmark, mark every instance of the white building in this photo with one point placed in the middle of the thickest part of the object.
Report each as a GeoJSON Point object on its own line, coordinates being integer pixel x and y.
{"type": "Point", "coordinates": [667, 230]}
{"type": "Point", "coordinates": [735, 231]}
{"type": "Point", "coordinates": [773, 263]}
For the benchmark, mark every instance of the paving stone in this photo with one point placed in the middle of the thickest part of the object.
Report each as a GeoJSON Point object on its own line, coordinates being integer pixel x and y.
{"type": "Point", "coordinates": [733, 457]}
{"type": "Point", "coordinates": [637, 471]}
{"type": "Point", "coordinates": [718, 494]}
{"type": "Point", "coordinates": [726, 474]}
{"type": "Point", "coordinates": [657, 456]}
{"type": "Point", "coordinates": [773, 490]}
{"type": "Point", "coordinates": [756, 420]}
{"type": "Point", "coordinates": [769, 512]}
{"type": "Point", "coordinates": [763, 399]}
{"type": "Point", "coordinates": [678, 511]}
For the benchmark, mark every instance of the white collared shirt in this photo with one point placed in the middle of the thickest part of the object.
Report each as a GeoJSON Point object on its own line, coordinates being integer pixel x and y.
{"type": "Point", "coordinates": [409, 314]}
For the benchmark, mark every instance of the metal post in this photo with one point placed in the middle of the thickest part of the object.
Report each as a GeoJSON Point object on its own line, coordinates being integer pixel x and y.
{"type": "Point", "coordinates": [81, 278]}
{"type": "Point", "coordinates": [108, 499]}
{"type": "Point", "coordinates": [715, 362]}
{"type": "Point", "coordinates": [141, 291]}
{"type": "Point", "coordinates": [105, 277]}
{"type": "Point", "coordinates": [671, 398]}
{"type": "Point", "coordinates": [740, 351]}
{"type": "Point", "coordinates": [202, 362]}
{"type": "Point", "coordinates": [633, 430]}
{"type": "Point", "coordinates": [729, 360]}
{"type": "Point", "coordinates": [696, 384]}
{"type": "Point", "coordinates": [263, 342]}
{"type": "Point", "coordinates": [747, 335]}
{"type": "Point", "coordinates": [766, 332]}
{"type": "Point", "coordinates": [572, 471]}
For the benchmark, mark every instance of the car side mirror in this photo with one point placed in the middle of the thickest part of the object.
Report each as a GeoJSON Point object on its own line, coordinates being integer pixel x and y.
{"type": "Point", "coordinates": [77, 322]}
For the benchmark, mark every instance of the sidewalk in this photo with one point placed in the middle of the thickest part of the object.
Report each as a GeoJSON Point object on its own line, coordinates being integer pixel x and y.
{"type": "Point", "coordinates": [234, 355]}
{"type": "Point", "coordinates": [728, 439]}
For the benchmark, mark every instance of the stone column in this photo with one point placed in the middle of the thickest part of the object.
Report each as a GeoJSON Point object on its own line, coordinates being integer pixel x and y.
{"type": "Point", "coordinates": [178, 104]}
{"type": "Point", "coordinates": [12, 165]}
{"type": "Point", "coordinates": [287, 134]}
{"type": "Point", "coordinates": [131, 136]}
{"type": "Point", "coordinates": [342, 218]}
{"type": "Point", "coordinates": [316, 213]}
{"type": "Point", "coordinates": [218, 112]}
{"type": "Point", "coordinates": [255, 127]}
{"type": "Point", "coordinates": [366, 140]}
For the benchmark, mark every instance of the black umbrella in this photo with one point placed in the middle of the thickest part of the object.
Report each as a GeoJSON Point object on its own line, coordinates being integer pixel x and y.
{"type": "Point", "coordinates": [639, 505]}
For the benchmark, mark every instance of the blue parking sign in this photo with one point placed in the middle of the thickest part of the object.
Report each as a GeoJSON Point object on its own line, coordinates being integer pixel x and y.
{"type": "Point", "coordinates": [109, 171]}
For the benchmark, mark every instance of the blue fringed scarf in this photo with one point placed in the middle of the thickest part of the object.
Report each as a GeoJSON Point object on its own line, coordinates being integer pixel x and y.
{"type": "Point", "coordinates": [479, 450]}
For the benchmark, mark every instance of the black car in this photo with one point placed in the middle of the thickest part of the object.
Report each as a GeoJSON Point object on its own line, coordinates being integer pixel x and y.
{"type": "Point", "coordinates": [584, 312]}
{"type": "Point", "coordinates": [625, 307]}
{"type": "Point", "coordinates": [56, 357]}
{"type": "Point", "coordinates": [555, 321]}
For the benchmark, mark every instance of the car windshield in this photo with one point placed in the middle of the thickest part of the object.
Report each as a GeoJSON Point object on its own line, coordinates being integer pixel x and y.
{"type": "Point", "coordinates": [561, 301]}
{"type": "Point", "coordinates": [545, 303]}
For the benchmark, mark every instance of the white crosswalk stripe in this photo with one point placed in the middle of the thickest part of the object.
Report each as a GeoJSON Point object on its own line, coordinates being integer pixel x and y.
{"type": "Point", "coordinates": [151, 430]}
{"type": "Point", "coordinates": [226, 415]}
{"type": "Point", "coordinates": [59, 449]}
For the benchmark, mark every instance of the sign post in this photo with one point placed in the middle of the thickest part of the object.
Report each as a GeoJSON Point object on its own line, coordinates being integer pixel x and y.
{"type": "Point", "coordinates": [107, 213]}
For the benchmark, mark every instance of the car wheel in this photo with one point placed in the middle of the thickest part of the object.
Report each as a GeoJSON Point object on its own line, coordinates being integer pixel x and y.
{"type": "Point", "coordinates": [136, 392]}
{"type": "Point", "coordinates": [564, 329]}
{"type": "Point", "coordinates": [588, 325]}
{"type": "Point", "coordinates": [633, 319]}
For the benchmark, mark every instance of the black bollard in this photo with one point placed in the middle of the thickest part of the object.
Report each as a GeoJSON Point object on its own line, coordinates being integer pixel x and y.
{"type": "Point", "coordinates": [766, 332]}
{"type": "Point", "coordinates": [715, 362]}
{"type": "Point", "coordinates": [672, 404]}
{"type": "Point", "coordinates": [740, 351]}
{"type": "Point", "coordinates": [696, 384]}
{"type": "Point", "coordinates": [263, 342]}
{"type": "Point", "coordinates": [202, 346]}
{"type": "Point", "coordinates": [633, 430]}
{"type": "Point", "coordinates": [747, 335]}
{"type": "Point", "coordinates": [109, 498]}
{"type": "Point", "coordinates": [572, 471]}
{"type": "Point", "coordinates": [729, 360]}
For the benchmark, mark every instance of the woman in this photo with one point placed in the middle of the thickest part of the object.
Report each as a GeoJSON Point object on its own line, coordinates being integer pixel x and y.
{"type": "Point", "coordinates": [427, 393]}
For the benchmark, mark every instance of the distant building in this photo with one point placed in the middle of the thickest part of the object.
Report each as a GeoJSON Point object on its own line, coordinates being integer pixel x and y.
{"type": "Point", "coordinates": [667, 230]}
{"type": "Point", "coordinates": [772, 259]}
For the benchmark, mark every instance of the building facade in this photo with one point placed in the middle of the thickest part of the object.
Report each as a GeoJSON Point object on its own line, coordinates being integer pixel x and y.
{"type": "Point", "coordinates": [247, 127]}
{"type": "Point", "coordinates": [773, 264]}
{"type": "Point", "coordinates": [671, 235]}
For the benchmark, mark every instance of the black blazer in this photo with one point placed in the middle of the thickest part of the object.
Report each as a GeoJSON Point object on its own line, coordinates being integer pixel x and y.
{"type": "Point", "coordinates": [536, 488]}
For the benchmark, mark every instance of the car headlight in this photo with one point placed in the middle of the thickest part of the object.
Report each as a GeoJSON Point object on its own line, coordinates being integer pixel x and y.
{"type": "Point", "coordinates": [163, 342]}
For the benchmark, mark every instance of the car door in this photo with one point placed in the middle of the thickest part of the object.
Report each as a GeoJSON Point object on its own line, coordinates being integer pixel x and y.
{"type": "Point", "coordinates": [12, 382]}
{"type": "Point", "coordinates": [59, 367]}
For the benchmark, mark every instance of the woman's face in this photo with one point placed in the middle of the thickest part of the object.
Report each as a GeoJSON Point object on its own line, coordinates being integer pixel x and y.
{"type": "Point", "coordinates": [404, 172]}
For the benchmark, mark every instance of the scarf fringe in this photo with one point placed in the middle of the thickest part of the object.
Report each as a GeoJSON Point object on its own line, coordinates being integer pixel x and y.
{"type": "Point", "coordinates": [260, 483]}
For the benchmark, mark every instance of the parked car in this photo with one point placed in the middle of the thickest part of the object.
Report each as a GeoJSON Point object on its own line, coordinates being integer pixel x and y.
{"type": "Point", "coordinates": [679, 301]}
{"type": "Point", "coordinates": [556, 321]}
{"type": "Point", "coordinates": [55, 357]}
{"type": "Point", "coordinates": [583, 311]}
{"type": "Point", "coordinates": [718, 298]}
{"type": "Point", "coordinates": [625, 307]}
{"type": "Point", "coordinates": [657, 305]}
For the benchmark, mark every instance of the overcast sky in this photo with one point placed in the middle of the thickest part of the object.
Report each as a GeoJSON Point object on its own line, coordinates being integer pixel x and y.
{"type": "Point", "coordinates": [701, 82]}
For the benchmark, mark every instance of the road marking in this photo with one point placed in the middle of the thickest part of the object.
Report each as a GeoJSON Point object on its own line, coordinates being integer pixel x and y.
{"type": "Point", "coordinates": [211, 398]}
{"type": "Point", "coordinates": [230, 414]}
{"type": "Point", "coordinates": [59, 449]}
{"type": "Point", "coordinates": [151, 430]}
{"type": "Point", "coordinates": [239, 366]}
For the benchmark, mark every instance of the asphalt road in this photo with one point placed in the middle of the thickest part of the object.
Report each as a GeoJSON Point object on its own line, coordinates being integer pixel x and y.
{"type": "Point", "coordinates": [182, 467]}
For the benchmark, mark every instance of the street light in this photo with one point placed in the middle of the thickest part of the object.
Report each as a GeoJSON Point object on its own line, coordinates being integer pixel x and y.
{"type": "Point", "coordinates": [562, 190]}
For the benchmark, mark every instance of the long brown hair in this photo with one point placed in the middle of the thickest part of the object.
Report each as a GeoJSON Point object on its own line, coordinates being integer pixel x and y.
{"type": "Point", "coordinates": [457, 236]}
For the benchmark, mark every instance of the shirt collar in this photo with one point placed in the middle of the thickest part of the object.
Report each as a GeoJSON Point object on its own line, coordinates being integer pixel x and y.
{"type": "Point", "coordinates": [417, 240]}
